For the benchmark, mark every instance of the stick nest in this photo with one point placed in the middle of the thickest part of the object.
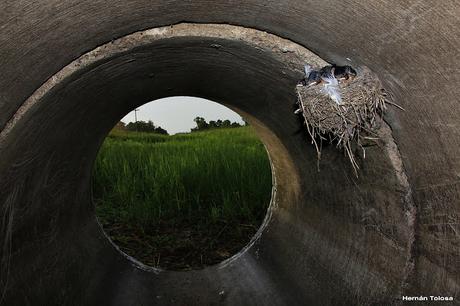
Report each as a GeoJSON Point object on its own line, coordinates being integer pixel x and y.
{"type": "Point", "coordinates": [344, 124]}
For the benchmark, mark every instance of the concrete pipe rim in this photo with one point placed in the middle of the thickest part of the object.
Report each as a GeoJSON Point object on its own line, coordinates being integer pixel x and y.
{"type": "Point", "coordinates": [260, 40]}
{"type": "Point", "coordinates": [252, 72]}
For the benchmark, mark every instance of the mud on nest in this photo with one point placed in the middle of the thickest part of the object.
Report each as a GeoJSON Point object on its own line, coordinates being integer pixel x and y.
{"type": "Point", "coordinates": [346, 124]}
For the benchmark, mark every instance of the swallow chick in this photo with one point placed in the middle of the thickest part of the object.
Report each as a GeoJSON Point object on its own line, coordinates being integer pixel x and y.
{"type": "Point", "coordinates": [344, 73]}
{"type": "Point", "coordinates": [312, 77]}
{"type": "Point", "coordinates": [341, 73]}
{"type": "Point", "coordinates": [327, 72]}
{"type": "Point", "coordinates": [324, 75]}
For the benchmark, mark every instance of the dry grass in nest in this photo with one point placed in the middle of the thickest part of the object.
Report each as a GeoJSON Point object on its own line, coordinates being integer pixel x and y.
{"type": "Point", "coordinates": [344, 124]}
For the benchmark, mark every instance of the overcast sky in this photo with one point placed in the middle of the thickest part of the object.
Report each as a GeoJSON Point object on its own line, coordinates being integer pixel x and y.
{"type": "Point", "coordinates": [176, 114]}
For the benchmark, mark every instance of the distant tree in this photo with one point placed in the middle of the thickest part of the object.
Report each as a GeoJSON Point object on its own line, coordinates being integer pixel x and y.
{"type": "Point", "coordinates": [159, 130]}
{"type": "Point", "coordinates": [147, 127]}
{"type": "Point", "coordinates": [201, 124]}
{"type": "Point", "coordinates": [212, 124]}
{"type": "Point", "coordinates": [227, 123]}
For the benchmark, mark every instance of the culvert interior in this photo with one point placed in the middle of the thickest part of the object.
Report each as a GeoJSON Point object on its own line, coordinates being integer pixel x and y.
{"type": "Point", "coordinates": [330, 238]}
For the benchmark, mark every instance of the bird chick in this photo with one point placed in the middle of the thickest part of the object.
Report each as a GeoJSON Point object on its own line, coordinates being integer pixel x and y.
{"type": "Point", "coordinates": [344, 73]}
{"type": "Point", "coordinates": [341, 73]}
{"type": "Point", "coordinates": [312, 77]}
{"type": "Point", "coordinates": [327, 71]}
{"type": "Point", "coordinates": [315, 77]}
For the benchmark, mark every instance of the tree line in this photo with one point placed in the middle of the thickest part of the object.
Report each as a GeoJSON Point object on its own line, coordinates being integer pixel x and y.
{"type": "Point", "coordinates": [141, 126]}
{"type": "Point", "coordinates": [201, 125]}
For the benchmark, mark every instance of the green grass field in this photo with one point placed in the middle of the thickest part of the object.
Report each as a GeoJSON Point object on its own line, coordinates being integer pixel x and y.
{"type": "Point", "coordinates": [182, 201]}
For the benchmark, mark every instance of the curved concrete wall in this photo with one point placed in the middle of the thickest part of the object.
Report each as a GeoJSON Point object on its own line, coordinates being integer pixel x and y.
{"type": "Point", "coordinates": [332, 239]}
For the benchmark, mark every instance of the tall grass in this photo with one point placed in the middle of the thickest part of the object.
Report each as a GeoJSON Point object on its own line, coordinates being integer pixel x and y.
{"type": "Point", "coordinates": [203, 177]}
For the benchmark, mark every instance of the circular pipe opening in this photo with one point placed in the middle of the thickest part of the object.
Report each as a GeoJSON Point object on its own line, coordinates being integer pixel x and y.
{"type": "Point", "coordinates": [183, 201]}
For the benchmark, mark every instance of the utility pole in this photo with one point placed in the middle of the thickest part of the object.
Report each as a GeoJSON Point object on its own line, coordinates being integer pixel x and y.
{"type": "Point", "coordinates": [135, 118]}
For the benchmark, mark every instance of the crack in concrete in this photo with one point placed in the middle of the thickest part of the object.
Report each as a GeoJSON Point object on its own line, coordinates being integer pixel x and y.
{"type": "Point", "coordinates": [392, 149]}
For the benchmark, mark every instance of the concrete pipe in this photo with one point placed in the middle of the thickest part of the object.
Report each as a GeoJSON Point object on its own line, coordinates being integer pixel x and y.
{"type": "Point", "coordinates": [72, 69]}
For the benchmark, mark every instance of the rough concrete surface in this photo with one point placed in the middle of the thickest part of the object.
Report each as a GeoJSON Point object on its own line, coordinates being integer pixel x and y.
{"type": "Point", "coordinates": [70, 72]}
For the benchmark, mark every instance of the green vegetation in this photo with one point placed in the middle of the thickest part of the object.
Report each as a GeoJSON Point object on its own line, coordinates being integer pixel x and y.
{"type": "Point", "coordinates": [182, 201]}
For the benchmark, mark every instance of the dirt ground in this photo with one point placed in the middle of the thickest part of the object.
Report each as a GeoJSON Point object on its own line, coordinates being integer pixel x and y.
{"type": "Point", "coordinates": [181, 246]}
